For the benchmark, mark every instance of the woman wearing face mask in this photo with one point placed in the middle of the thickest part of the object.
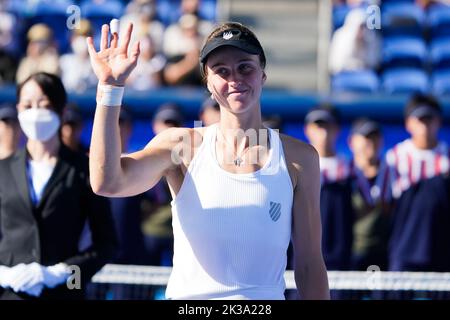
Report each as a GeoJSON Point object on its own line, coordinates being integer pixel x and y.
{"type": "Point", "coordinates": [45, 202]}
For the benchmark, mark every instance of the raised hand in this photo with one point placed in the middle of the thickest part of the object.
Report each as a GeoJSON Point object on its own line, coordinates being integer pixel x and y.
{"type": "Point", "coordinates": [112, 65]}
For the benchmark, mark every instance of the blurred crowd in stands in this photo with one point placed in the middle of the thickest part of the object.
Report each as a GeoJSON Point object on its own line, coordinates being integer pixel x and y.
{"type": "Point", "coordinates": [407, 52]}
{"type": "Point", "coordinates": [43, 36]}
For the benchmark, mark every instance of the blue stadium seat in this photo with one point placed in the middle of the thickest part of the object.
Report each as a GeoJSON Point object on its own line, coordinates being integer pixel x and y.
{"type": "Point", "coordinates": [355, 81]}
{"type": "Point", "coordinates": [404, 52]}
{"type": "Point", "coordinates": [440, 53]}
{"type": "Point", "coordinates": [402, 18]}
{"type": "Point", "coordinates": [169, 12]}
{"type": "Point", "coordinates": [406, 80]}
{"type": "Point", "coordinates": [208, 10]}
{"type": "Point", "coordinates": [55, 16]}
{"type": "Point", "coordinates": [440, 81]}
{"type": "Point", "coordinates": [439, 21]}
{"type": "Point", "coordinates": [105, 8]}
{"type": "Point", "coordinates": [339, 14]}
{"type": "Point", "coordinates": [165, 10]}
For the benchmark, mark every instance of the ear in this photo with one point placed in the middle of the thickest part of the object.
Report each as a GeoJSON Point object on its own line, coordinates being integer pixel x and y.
{"type": "Point", "coordinates": [264, 77]}
{"type": "Point", "coordinates": [408, 124]}
{"type": "Point", "coordinates": [306, 130]}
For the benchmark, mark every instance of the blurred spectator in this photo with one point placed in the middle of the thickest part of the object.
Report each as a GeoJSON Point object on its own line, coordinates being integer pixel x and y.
{"type": "Point", "coordinates": [148, 73]}
{"type": "Point", "coordinates": [71, 129]}
{"type": "Point", "coordinates": [157, 226]}
{"type": "Point", "coordinates": [142, 13]}
{"type": "Point", "coordinates": [354, 47]}
{"type": "Point", "coordinates": [9, 130]}
{"type": "Point", "coordinates": [210, 112]}
{"type": "Point", "coordinates": [182, 37]}
{"type": "Point", "coordinates": [168, 115]}
{"type": "Point", "coordinates": [428, 3]}
{"type": "Point", "coordinates": [41, 53]}
{"type": "Point", "coordinates": [8, 48]}
{"type": "Point", "coordinates": [182, 44]}
{"type": "Point", "coordinates": [371, 228]}
{"type": "Point", "coordinates": [192, 7]}
{"type": "Point", "coordinates": [76, 71]}
{"type": "Point", "coordinates": [45, 201]}
{"type": "Point", "coordinates": [322, 129]}
{"type": "Point", "coordinates": [415, 186]}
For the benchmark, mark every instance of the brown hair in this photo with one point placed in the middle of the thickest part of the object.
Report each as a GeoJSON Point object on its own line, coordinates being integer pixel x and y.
{"type": "Point", "coordinates": [230, 26]}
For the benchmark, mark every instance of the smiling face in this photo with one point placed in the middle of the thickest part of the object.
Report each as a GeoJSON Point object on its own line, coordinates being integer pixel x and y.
{"type": "Point", "coordinates": [235, 78]}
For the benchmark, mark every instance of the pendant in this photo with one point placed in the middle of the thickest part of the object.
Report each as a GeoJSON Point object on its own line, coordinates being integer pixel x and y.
{"type": "Point", "coordinates": [237, 162]}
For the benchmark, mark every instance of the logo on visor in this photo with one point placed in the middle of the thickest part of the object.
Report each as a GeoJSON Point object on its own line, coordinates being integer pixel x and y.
{"type": "Point", "coordinates": [227, 35]}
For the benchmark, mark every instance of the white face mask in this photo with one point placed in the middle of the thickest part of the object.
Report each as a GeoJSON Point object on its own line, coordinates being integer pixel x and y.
{"type": "Point", "coordinates": [39, 124]}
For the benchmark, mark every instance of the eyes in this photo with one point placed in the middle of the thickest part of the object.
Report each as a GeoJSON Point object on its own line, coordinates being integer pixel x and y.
{"type": "Point", "coordinates": [243, 69]}
{"type": "Point", "coordinates": [43, 104]}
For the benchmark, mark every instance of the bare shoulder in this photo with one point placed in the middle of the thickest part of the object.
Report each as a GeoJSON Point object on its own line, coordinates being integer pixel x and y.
{"type": "Point", "coordinates": [300, 156]}
{"type": "Point", "coordinates": [178, 144]}
{"type": "Point", "coordinates": [173, 136]}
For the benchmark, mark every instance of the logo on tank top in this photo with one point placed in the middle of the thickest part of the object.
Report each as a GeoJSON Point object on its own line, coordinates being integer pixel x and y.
{"type": "Point", "coordinates": [275, 210]}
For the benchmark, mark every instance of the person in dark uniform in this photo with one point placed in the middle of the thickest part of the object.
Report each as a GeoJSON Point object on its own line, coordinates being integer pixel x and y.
{"type": "Point", "coordinates": [9, 130]}
{"type": "Point", "coordinates": [45, 200]}
{"type": "Point", "coordinates": [415, 185]}
{"type": "Point", "coordinates": [371, 227]}
{"type": "Point", "coordinates": [321, 129]}
{"type": "Point", "coordinates": [71, 129]}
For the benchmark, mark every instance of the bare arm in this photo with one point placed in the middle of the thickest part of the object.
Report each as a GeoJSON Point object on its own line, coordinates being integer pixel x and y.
{"type": "Point", "coordinates": [111, 174]}
{"type": "Point", "coordinates": [309, 267]}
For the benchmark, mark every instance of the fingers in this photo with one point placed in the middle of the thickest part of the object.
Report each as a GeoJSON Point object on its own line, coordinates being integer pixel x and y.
{"type": "Point", "coordinates": [90, 45]}
{"type": "Point", "coordinates": [114, 40]}
{"type": "Point", "coordinates": [134, 54]}
{"type": "Point", "coordinates": [104, 38]}
{"type": "Point", "coordinates": [124, 43]}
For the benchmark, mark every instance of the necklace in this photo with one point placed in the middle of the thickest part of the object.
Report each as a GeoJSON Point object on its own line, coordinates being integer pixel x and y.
{"type": "Point", "coordinates": [237, 161]}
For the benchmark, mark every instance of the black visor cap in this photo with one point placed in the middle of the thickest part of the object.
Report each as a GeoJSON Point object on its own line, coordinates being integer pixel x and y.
{"type": "Point", "coordinates": [234, 38]}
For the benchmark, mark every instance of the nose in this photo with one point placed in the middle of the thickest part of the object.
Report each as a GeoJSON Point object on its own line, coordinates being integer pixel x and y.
{"type": "Point", "coordinates": [235, 77]}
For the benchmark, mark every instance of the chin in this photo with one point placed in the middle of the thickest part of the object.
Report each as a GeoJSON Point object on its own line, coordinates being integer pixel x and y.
{"type": "Point", "coordinates": [239, 106]}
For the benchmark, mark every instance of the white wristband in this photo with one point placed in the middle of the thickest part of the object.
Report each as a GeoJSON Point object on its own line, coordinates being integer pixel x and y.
{"type": "Point", "coordinates": [110, 96]}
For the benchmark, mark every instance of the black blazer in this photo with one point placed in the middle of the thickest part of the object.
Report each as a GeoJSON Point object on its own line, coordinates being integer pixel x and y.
{"type": "Point", "coordinates": [49, 232]}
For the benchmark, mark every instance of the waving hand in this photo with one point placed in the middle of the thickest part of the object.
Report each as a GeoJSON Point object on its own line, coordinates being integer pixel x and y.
{"type": "Point", "coordinates": [112, 65]}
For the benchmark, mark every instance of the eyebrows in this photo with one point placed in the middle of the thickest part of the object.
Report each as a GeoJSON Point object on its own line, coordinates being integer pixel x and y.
{"type": "Point", "coordinates": [221, 63]}
{"type": "Point", "coordinates": [31, 99]}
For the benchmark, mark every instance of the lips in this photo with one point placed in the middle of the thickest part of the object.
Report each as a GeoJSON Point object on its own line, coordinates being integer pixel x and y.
{"type": "Point", "coordinates": [237, 92]}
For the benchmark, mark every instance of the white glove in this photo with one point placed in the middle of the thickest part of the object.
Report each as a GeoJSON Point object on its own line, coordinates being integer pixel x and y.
{"type": "Point", "coordinates": [56, 275]}
{"type": "Point", "coordinates": [7, 274]}
{"type": "Point", "coordinates": [35, 274]}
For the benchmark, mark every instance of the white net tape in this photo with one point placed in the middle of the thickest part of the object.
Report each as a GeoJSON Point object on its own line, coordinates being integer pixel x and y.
{"type": "Point", "coordinates": [338, 280]}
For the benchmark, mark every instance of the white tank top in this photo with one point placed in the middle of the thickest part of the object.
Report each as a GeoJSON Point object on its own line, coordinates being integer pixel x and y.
{"type": "Point", "coordinates": [231, 231]}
